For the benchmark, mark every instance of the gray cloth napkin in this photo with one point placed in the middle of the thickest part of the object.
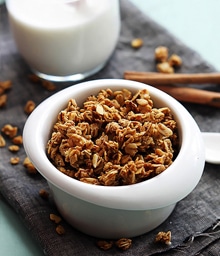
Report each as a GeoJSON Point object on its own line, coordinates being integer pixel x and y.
{"type": "Point", "coordinates": [195, 221]}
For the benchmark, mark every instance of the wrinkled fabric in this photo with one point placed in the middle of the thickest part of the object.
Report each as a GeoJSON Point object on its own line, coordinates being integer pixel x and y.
{"type": "Point", "coordinates": [193, 223]}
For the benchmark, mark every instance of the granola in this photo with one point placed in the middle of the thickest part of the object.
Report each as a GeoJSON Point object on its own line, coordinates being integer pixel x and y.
{"type": "Point", "coordinates": [10, 130]}
{"type": "Point", "coordinates": [124, 243]}
{"type": "Point", "coordinates": [44, 194]}
{"type": "Point", "coordinates": [60, 230]}
{"type": "Point", "coordinates": [116, 138]}
{"type": "Point", "coordinates": [29, 107]}
{"type": "Point", "coordinates": [49, 86]}
{"type": "Point", "coordinates": [105, 245]}
{"type": "Point", "coordinates": [165, 67]}
{"type": "Point", "coordinates": [4, 86]}
{"type": "Point", "coordinates": [18, 140]}
{"type": "Point", "coordinates": [3, 100]}
{"type": "Point", "coordinates": [55, 218]}
{"type": "Point", "coordinates": [161, 53]}
{"type": "Point", "coordinates": [166, 64]}
{"type": "Point", "coordinates": [2, 141]}
{"type": "Point", "coordinates": [163, 237]}
{"type": "Point", "coordinates": [137, 43]}
{"type": "Point", "coordinates": [175, 60]}
{"type": "Point", "coordinates": [13, 148]}
{"type": "Point", "coordinates": [14, 160]}
{"type": "Point", "coordinates": [29, 166]}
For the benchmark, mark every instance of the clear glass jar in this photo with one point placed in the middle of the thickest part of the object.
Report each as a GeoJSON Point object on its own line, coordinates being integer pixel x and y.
{"type": "Point", "coordinates": [65, 40]}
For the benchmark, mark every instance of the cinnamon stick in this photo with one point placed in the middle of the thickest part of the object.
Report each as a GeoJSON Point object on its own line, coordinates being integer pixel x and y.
{"type": "Point", "coordinates": [192, 95]}
{"type": "Point", "coordinates": [155, 78]}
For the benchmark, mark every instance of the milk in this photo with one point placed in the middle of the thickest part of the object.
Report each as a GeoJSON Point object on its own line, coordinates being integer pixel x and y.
{"type": "Point", "coordinates": [63, 40]}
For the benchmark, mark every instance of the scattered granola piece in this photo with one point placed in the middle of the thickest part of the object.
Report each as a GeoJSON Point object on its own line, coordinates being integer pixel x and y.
{"type": "Point", "coordinates": [161, 53]}
{"type": "Point", "coordinates": [124, 243]}
{"type": "Point", "coordinates": [34, 78]}
{"type": "Point", "coordinates": [14, 148]}
{"type": "Point", "coordinates": [29, 107]}
{"type": "Point", "coordinates": [17, 140]}
{"type": "Point", "coordinates": [137, 43]}
{"type": "Point", "coordinates": [10, 130]}
{"type": "Point", "coordinates": [29, 166]}
{"type": "Point", "coordinates": [44, 194]}
{"type": "Point", "coordinates": [2, 141]}
{"type": "Point", "coordinates": [14, 160]}
{"type": "Point", "coordinates": [175, 60]}
{"type": "Point", "coordinates": [3, 100]}
{"type": "Point", "coordinates": [27, 161]}
{"type": "Point", "coordinates": [105, 245]}
{"type": "Point", "coordinates": [163, 237]}
{"type": "Point", "coordinates": [1, 90]}
{"type": "Point", "coordinates": [60, 230]}
{"type": "Point", "coordinates": [164, 67]}
{"type": "Point", "coordinates": [48, 85]}
{"type": "Point", "coordinates": [5, 85]}
{"type": "Point", "coordinates": [55, 218]}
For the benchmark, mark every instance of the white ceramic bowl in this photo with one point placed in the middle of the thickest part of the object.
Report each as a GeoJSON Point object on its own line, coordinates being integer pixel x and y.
{"type": "Point", "coordinates": [120, 211]}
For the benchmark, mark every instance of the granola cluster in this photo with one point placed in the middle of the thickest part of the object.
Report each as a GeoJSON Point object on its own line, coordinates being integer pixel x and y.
{"type": "Point", "coordinates": [163, 237]}
{"type": "Point", "coordinates": [4, 87]}
{"type": "Point", "coordinates": [16, 142]}
{"type": "Point", "coordinates": [122, 244]}
{"type": "Point", "coordinates": [116, 138]}
{"type": "Point", "coordinates": [165, 63]}
{"type": "Point", "coordinates": [48, 85]}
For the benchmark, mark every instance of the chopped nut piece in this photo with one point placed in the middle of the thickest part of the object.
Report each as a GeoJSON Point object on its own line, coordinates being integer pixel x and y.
{"type": "Point", "coordinates": [29, 107]}
{"type": "Point", "coordinates": [163, 237]}
{"type": "Point", "coordinates": [137, 43]}
{"type": "Point", "coordinates": [60, 230]}
{"type": "Point", "coordinates": [142, 102]}
{"type": "Point", "coordinates": [3, 100]}
{"type": "Point", "coordinates": [10, 130]}
{"type": "Point", "coordinates": [14, 160]}
{"type": "Point", "coordinates": [161, 54]}
{"type": "Point", "coordinates": [17, 140]}
{"type": "Point", "coordinates": [165, 67]}
{"type": "Point", "coordinates": [99, 109]}
{"type": "Point", "coordinates": [44, 194]}
{"type": "Point", "coordinates": [29, 166]}
{"type": "Point", "coordinates": [105, 245]}
{"type": "Point", "coordinates": [124, 243]}
{"type": "Point", "coordinates": [14, 148]}
{"type": "Point", "coordinates": [2, 141]}
{"type": "Point", "coordinates": [95, 160]}
{"type": "Point", "coordinates": [55, 218]}
{"type": "Point", "coordinates": [175, 60]}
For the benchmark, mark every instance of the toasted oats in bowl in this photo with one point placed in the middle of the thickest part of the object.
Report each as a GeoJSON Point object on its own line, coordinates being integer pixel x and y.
{"type": "Point", "coordinates": [118, 209]}
{"type": "Point", "coordinates": [115, 138]}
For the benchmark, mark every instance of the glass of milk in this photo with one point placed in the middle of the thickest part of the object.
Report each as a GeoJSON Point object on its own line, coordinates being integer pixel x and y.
{"type": "Point", "coordinates": [63, 40]}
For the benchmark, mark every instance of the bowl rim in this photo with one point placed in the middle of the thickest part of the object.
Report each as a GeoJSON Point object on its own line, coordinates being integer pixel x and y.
{"type": "Point", "coordinates": [165, 189]}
